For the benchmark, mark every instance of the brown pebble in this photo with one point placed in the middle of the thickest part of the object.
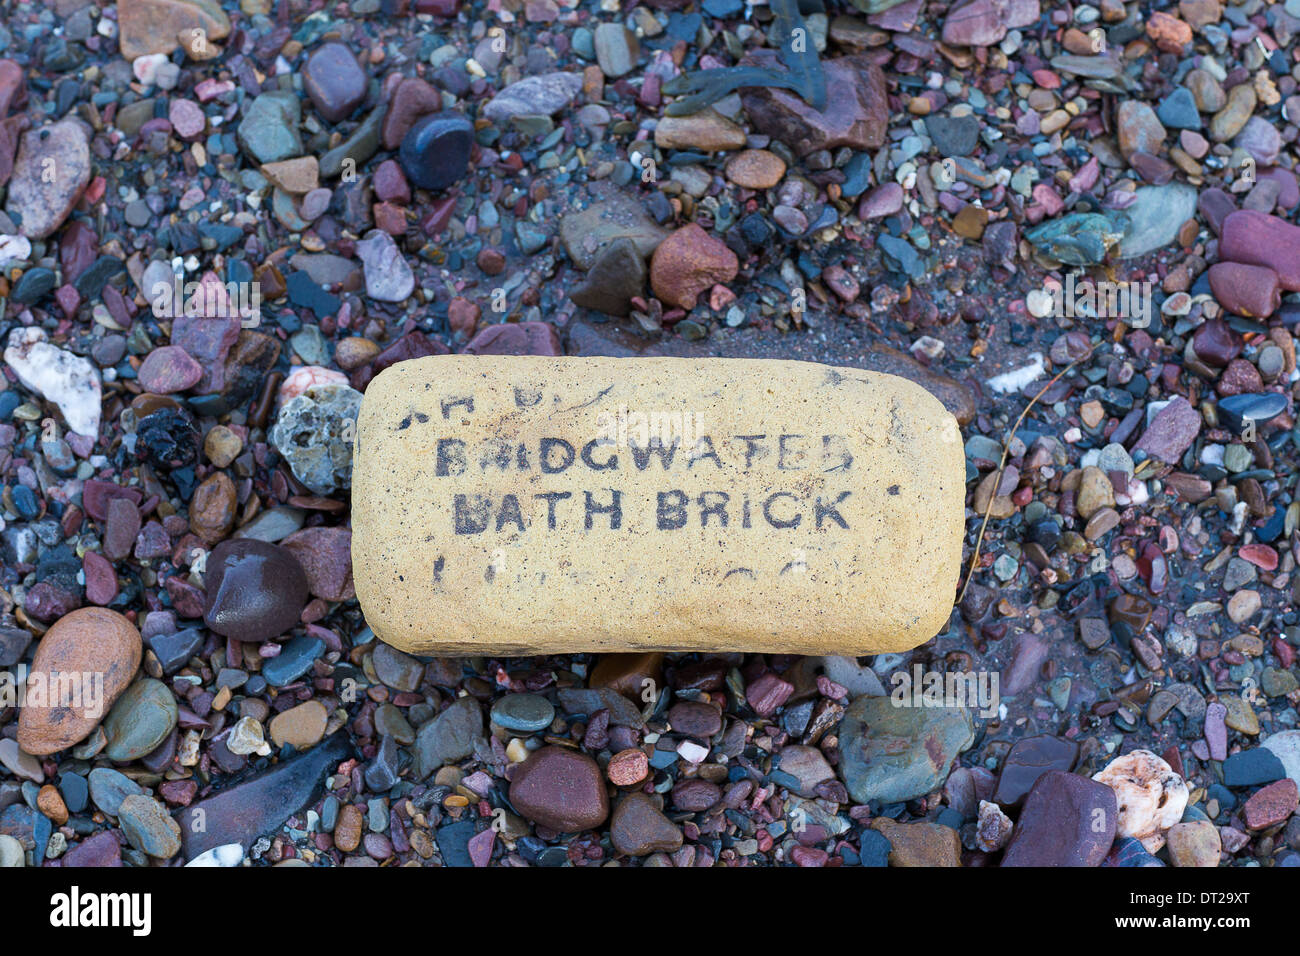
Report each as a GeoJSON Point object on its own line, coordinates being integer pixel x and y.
{"type": "Point", "coordinates": [50, 803]}
{"type": "Point", "coordinates": [347, 829]}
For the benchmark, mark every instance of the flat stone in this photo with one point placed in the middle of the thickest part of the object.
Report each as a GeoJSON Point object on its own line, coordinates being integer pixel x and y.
{"type": "Point", "coordinates": [448, 737]}
{"type": "Point", "coordinates": [638, 827]}
{"type": "Point", "coordinates": [90, 640]}
{"type": "Point", "coordinates": [523, 713]}
{"type": "Point", "coordinates": [891, 753]}
{"type": "Point", "coordinates": [919, 844]}
{"type": "Point", "coordinates": [1027, 760]}
{"type": "Point", "coordinates": [541, 95]}
{"type": "Point", "coordinates": [168, 370]}
{"type": "Point", "coordinates": [1271, 805]}
{"type": "Point", "coordinates": [147, 27]}
{"type": "Point", "coordinates": [109, 787]}
{"type": "Point", "coordinates": [294, 660]}
{"type": "Point", "coordinates": [857, 115]}
{"type": "Point", "coordinates": [325, 555]}
{"type": "Point", "coordinates": [886, 578]}
{"type": "Point", "coordinates": [1155, 218]}
{"type": "Point", "coordinates": [560, 789]}
{"type": "Point", "coordinates": [1172, 431]}
{"type": "Point", "coordinates": [40, 203]}
{"type": "Point", "coordinates": [140, 720]}
{"type": "Point", "coordinates": [985, 22]}
{"type": "Point", "coordinates": [256, 807]}
{"type": "Point", "coordinates": [300, 727]}
{"type": "Point", "coordinates": [269, 130]}
{"type": "Point", "coordinates": [1067, 820]}
{"type": "Point", "coordinates": [148, 828]}
{"type": "Point", "coordinates": [707, 130]}
{"type": "Point", "coordinates": [334, 81]}
{"type": "Point", "coordinates": [1263, 240]}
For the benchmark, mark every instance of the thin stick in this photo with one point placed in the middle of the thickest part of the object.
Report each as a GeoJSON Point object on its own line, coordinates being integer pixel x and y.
{"type": "Point", "coordinates": [1002, 465]}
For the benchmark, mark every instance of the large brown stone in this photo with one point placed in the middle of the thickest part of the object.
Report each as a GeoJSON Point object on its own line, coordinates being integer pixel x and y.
{"type": "Point", "coordinates": [97, 647]}
{"type": "Point", "coordinates": [155, 26]}
{"type": "Point", "coordinates": [479, 484]}
{"type": "Point", "coordinates": [688, 263]}
{"type": "Point", "coordinates": [857, 112]}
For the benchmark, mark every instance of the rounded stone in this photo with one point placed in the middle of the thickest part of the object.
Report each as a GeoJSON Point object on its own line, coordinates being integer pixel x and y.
{"type": "Point", "coordinates": [255, 591]}
{"type": "Point", "coordinates": [95, 642]}
{"type": "Point", "coordinates": [149, 828]}
{"type": "Point", "coordinates": [169, 369]}
{"type": "Point", "coordinates": [435, 152]}
{"type": "Point", "coordinates": [523, 713]}
{"type": "Point", "coordinates": [139, 721]}
{"type": "Point", "coordinates": [755, 169]}
{"type": "Point", "coordinates": [300, 727]}
{"type": "Point", "coordinates": [11, 852]}
{"type": "Point", "coordinates": [560, 789]}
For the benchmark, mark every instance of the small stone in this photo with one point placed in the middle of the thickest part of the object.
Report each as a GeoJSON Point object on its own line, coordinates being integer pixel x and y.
{"type": "Point", "coordinates": [688, 263]}
{"type": "Point", "coordinates": [892, 754]}
{"type": "Point", "coordinates": [435, 152]}
{"type": "Point", "coordinates": [1067, 820]}
{"type": "Point", "coordinates": [523, 713]}
{"type": "Point", "coordinates": [269, 131]}
{"type": "Point", "coordinates": [755, 169]}
{"type": "Point", "coordinates": [1150, 794]}
{"type": "Point", "coordinates": [334, 81]}
{"type": "Point", "coordinates": [388, 275]}
{"type": "Point", "coordinates": [1026, 761]}
{"type": "Point", "coordinates": [541, 95]}
{"type": "Point", "coordinates": [326, 557]}
{"type": "Point", "coordinates": [313, 432]}
{"type": "Point", "coordinates": [148, 827]}
{"type": "Point", "coordinates": [156, 26]}
{"type": "Point", "coordinates": [40, 203]}
{"type": "Point", "coordinates": [638, 827]}
{"type": "Point", "coordinates": [139, 721]}
{"type": "Point", "coordinates": [1195, 843]}
{"type": "Point", "coordinates": [919, 844]}
{"type": "Point", "coordinates": [707, 130]}
{"type": "Point", "coordinates": [560, 789]}
{"type": "Point", "coordinates": [213, 507]}
{"type": "Point", "coordinates": [255, 590]}
{"type": "Point", "coordinates": [448, 737]}
{"type": "Point", "coordinates": [616, 277]}
{"type": "Point", "coordinates": [69, 381]}
{"type": "Point", "coordinates": [1271, 805]}
{"type": "Point", "coordinates": [617, 49]}
{"type": "Point", "coordinates": [348, 829]}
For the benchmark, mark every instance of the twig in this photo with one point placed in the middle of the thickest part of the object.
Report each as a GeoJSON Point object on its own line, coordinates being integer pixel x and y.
{"type": "Point", "coordinates": [1002, 465]}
